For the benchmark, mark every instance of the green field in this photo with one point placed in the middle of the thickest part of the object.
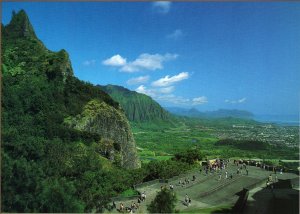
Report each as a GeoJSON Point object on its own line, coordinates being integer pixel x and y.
{"type": "Point", "coordinates": [160, 141]}
{"type": "Point", "coordinates": [161, 144]}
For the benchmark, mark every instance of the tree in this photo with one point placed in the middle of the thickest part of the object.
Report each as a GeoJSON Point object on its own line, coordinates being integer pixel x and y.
{"type": "Point", "coordinates": [164, 202]}
{"type": "Point", "coordinates": [59, 195]}
{"type": "Point", "coordinates": [189, 156]}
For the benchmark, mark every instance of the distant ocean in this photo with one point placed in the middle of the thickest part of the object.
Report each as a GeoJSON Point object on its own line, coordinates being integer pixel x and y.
{"type": "Point", "coordinates": [287, 120]}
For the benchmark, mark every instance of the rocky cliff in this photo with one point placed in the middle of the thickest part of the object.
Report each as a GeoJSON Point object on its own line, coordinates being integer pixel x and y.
{"type": "Point", "coordinates": [109, 123]}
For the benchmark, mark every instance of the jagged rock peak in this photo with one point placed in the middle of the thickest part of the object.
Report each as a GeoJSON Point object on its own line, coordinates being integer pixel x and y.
{"type": "Point", "coordinates": [20, 26]}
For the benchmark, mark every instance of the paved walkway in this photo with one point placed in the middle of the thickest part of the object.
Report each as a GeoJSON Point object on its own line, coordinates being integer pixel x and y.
{"type": "Point", "coordinates": [207, 190]}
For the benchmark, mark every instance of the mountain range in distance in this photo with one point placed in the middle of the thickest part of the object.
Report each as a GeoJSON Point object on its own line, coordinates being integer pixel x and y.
{"type": "Point", "coordinates": [221, 113]}
{"type": "Point", "coordinates": [142, 108]}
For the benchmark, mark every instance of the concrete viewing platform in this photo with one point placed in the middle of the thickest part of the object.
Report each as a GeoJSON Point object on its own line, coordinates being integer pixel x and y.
{"type": "Point", "coordinates": [208, 191]}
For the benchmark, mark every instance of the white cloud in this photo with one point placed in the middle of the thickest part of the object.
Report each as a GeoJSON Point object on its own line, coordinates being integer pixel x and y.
{"type": "Point", "coordinates": [162, 6]}
{"type": "Point", "coordinates": [178, 100]}
{"type": "Point", "coordinates": [143, 90]}
{"type": "Point", "coordinates": [89, 62]}
{"type": "Point", "coordinates": [148, 62]}
{"type": "Point", "coordinates": [242, 100]}
{"type": "Point", "coordinates": [199, 100]}
{"type": "Point", "coordinates": [138, 80]}
{"type": "Point", "coordinates": [167, 80]}
{"type": "Point", "coordinates": [144, 62]}
{"type": "Point", "coordinates": [165, 95]}
{"type": "Point", "coordinates": [115, 60]}
{"type": "Point", "coordinates": [154, 92]}
{"type": "Point", "coordinates": [171, 98]}
{"type": "Point", "coordinates": [176, 34]}
{"type": "Point", "coordinates": [167, 90]}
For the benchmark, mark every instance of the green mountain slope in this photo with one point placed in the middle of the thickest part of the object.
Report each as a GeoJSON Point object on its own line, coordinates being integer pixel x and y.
{"type": "Point", "coordinates": [138, 107]}
{"type": "Point", "coordinates": [50, 161]}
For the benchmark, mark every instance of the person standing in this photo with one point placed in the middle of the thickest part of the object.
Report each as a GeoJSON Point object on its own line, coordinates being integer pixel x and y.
{"type": "Point", "coordinates": [186, 199]}
{"type": "Point", "coordinates": [121, 207]}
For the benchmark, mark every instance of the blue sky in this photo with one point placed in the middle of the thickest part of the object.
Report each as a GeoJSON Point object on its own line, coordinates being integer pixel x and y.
{"type": "Point", "coordinates": [194, 54]}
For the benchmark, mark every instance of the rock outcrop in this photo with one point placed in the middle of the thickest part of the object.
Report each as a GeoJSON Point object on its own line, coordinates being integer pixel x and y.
{"type": "Point", "coordinates": [109, 123]}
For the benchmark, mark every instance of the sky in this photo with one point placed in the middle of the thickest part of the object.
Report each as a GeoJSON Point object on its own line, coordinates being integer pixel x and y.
{"type": "Point", "coordinates": [203, 55]}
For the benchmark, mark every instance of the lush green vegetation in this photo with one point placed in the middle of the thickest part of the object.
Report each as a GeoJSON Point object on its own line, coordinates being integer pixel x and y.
{"type": "Point", "coordinates": [250, 145]}
{"type": "Point", "coordinates": [164, 202]}
{"type": "Point", "coordinates": [190, 156]}
{"type": "Point", "coordinates": [137, 107]}
{"type": "Point", "coordinates": [165, 169]}
{"type": "Point", "coordinates": [166, 139]}
{"type": "Point", "coordinates": [162, 140]}
{"type": "Point", "coordinates": [129, 192]}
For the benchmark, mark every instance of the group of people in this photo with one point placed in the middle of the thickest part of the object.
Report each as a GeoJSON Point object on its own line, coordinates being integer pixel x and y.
{"type": "Point", "coordinates": [130, 209]}
{"type": "Point", "coordinates": [260, 164]}
{"type": "Point", "coordinates": [186, 181]}
{"type": "Point", "coordinates": [241, 168]}
{"type": "Point", "coordinates": [217, 166]}
{"type": "Point", "coordinates": [133, 207]}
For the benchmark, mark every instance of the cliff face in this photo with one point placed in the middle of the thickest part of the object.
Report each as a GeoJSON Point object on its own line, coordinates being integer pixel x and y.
{"type": "Point", "coordinates": [109, 123]}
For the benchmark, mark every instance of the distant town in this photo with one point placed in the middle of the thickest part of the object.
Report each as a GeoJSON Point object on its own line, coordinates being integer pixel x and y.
{"type": "Point", "coordinates": [272, 134]}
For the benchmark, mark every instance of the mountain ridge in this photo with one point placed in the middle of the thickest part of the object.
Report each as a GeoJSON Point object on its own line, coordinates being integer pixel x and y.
{"type": "Point", "coordinates": [137, 107]}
